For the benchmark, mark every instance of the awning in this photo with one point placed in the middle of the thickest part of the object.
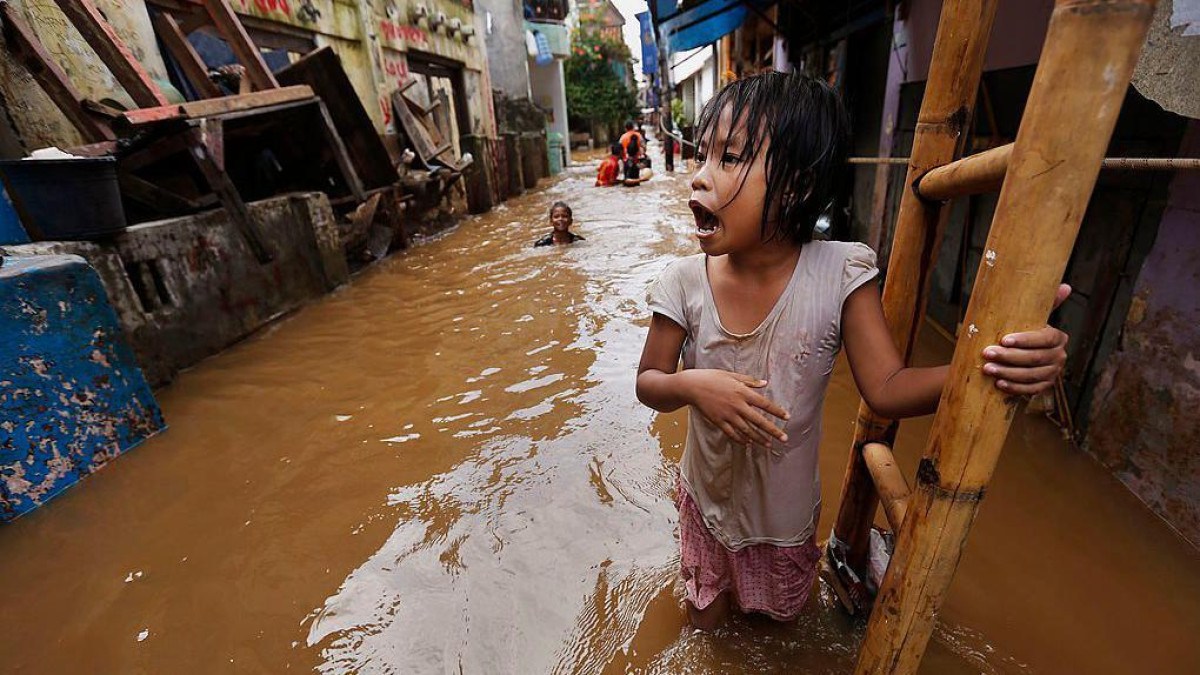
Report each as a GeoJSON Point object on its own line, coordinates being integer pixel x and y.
{"type": "Point", "coordinates": [702, 24]}
{"type": "Point", "coordinates": [685, 65]}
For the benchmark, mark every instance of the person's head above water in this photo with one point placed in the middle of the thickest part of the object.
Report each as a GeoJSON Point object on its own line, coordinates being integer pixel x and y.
{"type": "Point", "coordinates": [615, 149]}
{"type": "Point", "coordinates": [796, 127]}
{"type": "Point", "coordinates": [561, 216]}
{"type": "Point", "coordinates": [629, 126]}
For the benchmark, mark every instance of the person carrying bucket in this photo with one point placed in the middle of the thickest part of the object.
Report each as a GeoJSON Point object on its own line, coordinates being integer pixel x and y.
{"type": "Point", "coordinates": [633, 146]}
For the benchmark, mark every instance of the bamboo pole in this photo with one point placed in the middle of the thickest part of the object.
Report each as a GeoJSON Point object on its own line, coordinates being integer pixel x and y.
{"type": "Point", "coordinates": [1109, 163]}
{"type": "Point", "coordinates": [1091, 48]}
{"type": "Point", "coordinates": [954, 73]}
{"type": "Point", "coordinates": [889, 482]}
{"type": "Point", "coordinates": [972, 175]}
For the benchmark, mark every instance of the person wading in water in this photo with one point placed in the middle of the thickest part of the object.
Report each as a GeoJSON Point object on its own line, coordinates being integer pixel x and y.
{"type": "Point", "coordinates": [560, 219]}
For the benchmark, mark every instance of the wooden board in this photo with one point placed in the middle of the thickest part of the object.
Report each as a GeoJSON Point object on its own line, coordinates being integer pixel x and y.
{"type": "Point", "coordinates": [215, 106]}
{"type": "Point", "coordinates": [340, 156]}
{"type": "Point", "coordinates": [219, 183]}
{"type": "Point", "coordinates": [322, 70]}
{"type": "Point", "coordinates": [420, 138]}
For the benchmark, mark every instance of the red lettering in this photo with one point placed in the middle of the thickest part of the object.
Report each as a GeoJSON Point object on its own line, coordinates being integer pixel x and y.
{"type": "Point", "coordinates": [269, 6]}
{"type": "Point", "coordinates": [394, 31]}
{"type": "Point", "coordinates": [386, 107]}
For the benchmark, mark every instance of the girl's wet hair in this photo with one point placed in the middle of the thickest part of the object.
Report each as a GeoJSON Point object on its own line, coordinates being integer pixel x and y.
{"type": "Point", "coordinates": [808, 129]}
{"type": "Point", "coordinates": [562, 205]}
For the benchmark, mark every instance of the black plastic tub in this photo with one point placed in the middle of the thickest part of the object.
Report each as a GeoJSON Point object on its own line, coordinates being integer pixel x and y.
{"type": "Point", "coordinates": [65, 199]}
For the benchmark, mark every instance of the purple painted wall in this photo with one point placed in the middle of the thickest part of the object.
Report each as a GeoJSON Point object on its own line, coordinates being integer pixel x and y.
{"type": "Point", "coordinates": [1017, 35]}
{"type": "Point", "coordinates": [1146, 412]}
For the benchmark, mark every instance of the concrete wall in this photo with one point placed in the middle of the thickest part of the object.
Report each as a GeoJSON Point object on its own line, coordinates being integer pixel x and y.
{"type": "Point", "coordinates": [71, 395]}
{"type": "Point", "coordinates": [506, 52]}
{"type": "Point", "coordinates": [1146, 428]}
{"type": "Point", "coordinates": [550, 94]}
{"type": "Point", "coordinates": [186, 288]}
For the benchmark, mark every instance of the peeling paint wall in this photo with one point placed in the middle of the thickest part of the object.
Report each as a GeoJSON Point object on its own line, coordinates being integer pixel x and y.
{"type": "Point", "coordinates": [373, 38]}
{"type": "Point", "coordinates": [1145, 424]}
{"type": "Point", "coordinates": [71, 395]}
{"type": "Point", "coordinates": [37, 120]}
{"type": "Point", "coordinates": [1166, 72]}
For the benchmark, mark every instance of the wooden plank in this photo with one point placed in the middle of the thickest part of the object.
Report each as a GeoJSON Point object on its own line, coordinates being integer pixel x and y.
{"type": "Point", "coordinates": [156, 150]}
{"type": "Point", "coordinates": [1081, 80]}
{"type": "Point", "coordinates": [231, 28]}
{"type": "Point", "coordinates": [339, 154]}
{"type": "Point", "coordinates": [163, 201]}
{"type": "Point", "coordinates": [97, 108]}
{"type": "Point", "coordinates": [98, 149]}
{"type": "Point", "coordinates": [19, 39]}
{"type": "Point", "coordinates": [113, 51]}
{"type": "Point", "coordinates": [322, 70]}
{"type": "Point", "coordinates": [416, 132]}
{"type": "Point", "coordinates": [420, 110]}
{"type": "Point", "coordinates": [185, 55]}
{"type": "Point", "coordinates": [218, 181]}
{"type": "Point", "coordinates": [215, 106]}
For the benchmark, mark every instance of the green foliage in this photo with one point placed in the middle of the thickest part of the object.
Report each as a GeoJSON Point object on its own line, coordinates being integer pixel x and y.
{"type": "Point", "coordinates": [595, 93]}
{"type": "Point", "coordinates": [677, 113]}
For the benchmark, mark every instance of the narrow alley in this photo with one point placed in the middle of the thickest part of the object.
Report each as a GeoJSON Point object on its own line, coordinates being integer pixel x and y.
{"type": "Point", "coordinates": [443, 467]}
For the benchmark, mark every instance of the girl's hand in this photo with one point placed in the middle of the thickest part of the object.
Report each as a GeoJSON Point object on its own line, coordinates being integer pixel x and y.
{"type": "Point", "coordinates": [1030, 362]}
{"type": "Point", "coordinates": [730, 402]}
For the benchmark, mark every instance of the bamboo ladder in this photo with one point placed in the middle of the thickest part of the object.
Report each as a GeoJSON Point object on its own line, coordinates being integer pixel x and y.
{"type": "Point", "coordinates": [1047, 177]}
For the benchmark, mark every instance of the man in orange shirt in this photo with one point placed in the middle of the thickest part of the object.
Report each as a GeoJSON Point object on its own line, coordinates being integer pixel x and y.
{"type": "Point", "coordinates": [633, 146]}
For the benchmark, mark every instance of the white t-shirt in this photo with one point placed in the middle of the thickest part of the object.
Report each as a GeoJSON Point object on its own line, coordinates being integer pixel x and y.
{"type": "Point", "coordinates": [746, 494]}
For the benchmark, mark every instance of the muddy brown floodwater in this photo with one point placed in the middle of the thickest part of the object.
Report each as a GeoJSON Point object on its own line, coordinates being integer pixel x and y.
{"type": "Point", "coordinates": [443, 468]}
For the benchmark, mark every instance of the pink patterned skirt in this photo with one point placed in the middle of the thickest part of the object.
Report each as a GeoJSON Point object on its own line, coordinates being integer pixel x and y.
{"type": "Point", "coordinates": [772, 580]}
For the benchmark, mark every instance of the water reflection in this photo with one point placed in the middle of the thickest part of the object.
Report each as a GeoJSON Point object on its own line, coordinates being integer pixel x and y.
{"type": "Point", "coordinates": [442, 467]}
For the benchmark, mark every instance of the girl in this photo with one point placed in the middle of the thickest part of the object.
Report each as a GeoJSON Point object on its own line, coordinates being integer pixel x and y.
{"type": "Point", "coordinates": [560, 219]}
{"type": "Point", "coordinates": [758, 319]}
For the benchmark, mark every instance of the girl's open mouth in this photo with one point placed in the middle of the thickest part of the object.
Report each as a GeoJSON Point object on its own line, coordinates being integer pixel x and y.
{"type": "Point", "coordinates": [707, 222]}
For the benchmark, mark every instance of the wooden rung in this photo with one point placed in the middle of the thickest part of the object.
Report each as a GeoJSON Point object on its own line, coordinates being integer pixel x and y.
{"type": "Point", "coordinates": [984, 172]}
{"type": "Point", "coordinates": [889, 482]}
{"type": "Point", "coordinates": [421, 110]}
{"type": "Point", "coordinates": [971, 175]}
{"type": "Point", "coordinates": [216, 106]}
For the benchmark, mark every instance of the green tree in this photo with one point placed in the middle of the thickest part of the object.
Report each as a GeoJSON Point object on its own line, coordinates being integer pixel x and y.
{"type": "Point", "coordinates": [595, 93]}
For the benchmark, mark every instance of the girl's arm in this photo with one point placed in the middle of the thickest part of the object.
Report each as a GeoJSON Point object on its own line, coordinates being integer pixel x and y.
{"type": "Point", "coordinates": [728, 400]}
{"type": "Point", "coordinates": [1028, 363]}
